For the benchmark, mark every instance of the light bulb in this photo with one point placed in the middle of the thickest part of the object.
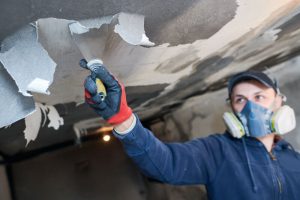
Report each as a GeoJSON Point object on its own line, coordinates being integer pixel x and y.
{"type": "Point", "coordinates": [106, 138]}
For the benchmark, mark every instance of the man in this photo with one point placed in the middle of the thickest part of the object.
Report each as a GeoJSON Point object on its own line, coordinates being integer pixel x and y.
{"type": "Point", "coordinates": [249, 161]}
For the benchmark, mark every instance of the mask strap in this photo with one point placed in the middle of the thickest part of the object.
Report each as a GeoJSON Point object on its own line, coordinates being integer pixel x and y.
{"type": "Point", "coordinates": [278, 91]}
{"type": "Point", "coordinates": [283, 97]}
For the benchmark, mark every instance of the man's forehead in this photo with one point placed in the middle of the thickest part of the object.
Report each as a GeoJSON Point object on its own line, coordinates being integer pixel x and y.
{"type": "Point", "coordinates": [247, 87]}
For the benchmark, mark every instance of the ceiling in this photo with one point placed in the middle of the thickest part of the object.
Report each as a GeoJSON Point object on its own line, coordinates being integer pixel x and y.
{"type": "Point", "coordinates": [198, 45]}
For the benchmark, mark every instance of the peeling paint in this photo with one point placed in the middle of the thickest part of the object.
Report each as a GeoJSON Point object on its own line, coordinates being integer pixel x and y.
{"type": "Point", "coordinates": [55, 37]}
{"type": "Point", "coordinates": [25, 60]}
{"type": "Point", "coordinates": [134, 66]}
{"type": "Point", "coordinates": [34, 122]}
{"type": "Point", "coordinates": [39, 85]}
{"type": "Point", "coordinates": [129, 27]}
{"type": "Point", "coordinates": [14, 106]}
{"type": "Point", "coordinates": [55, 120]}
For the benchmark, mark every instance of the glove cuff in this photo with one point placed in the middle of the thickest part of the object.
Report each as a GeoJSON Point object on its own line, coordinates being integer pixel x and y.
{"type": "Point", "coordinates": [124, 112]}
{"type": "Point", "coordinates": [122, 116]}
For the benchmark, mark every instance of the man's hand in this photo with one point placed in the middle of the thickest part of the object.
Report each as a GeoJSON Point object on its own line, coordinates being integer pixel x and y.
{"type": "Point", "coordinates": [113, 107]}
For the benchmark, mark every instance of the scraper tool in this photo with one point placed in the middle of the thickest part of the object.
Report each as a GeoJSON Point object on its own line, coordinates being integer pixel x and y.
{"type": "Point", "coordinates": [91, 44]}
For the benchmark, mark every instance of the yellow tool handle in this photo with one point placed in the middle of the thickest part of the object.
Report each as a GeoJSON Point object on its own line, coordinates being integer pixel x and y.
{"type": "Point", "coordinates": [100, 87]}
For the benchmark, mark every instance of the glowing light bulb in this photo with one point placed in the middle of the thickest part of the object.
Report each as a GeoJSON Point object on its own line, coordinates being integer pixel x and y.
{"type": "Point", "coordinates": [106, 138]}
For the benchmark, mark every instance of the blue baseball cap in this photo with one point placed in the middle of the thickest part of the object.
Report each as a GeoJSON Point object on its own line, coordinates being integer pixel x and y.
{"type": "Point", "coordinates": [251, 75]}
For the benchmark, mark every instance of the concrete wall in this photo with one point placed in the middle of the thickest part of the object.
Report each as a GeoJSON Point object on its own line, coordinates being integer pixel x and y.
{"type": "Point", "coordinates": [95, 170]}
{"type": "Point", "coordinates": [4, 186]}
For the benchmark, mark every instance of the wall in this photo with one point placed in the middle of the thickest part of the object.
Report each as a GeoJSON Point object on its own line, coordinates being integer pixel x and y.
{"type": "Point", "coordinates": [4, 186]}
{"type": "Point", "coordinates": [95, 170]}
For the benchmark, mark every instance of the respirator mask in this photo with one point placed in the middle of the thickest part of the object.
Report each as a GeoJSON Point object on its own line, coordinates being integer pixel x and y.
{"type": "Point", "coordinates": [257, 121]}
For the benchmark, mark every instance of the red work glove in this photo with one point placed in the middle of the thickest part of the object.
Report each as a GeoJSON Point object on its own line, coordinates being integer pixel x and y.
{"type": "Point", "coordinates": [112, 106]}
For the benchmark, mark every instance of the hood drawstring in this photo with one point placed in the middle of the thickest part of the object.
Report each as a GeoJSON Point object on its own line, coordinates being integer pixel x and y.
{"type": "Point", "coordinates": [249, 166]}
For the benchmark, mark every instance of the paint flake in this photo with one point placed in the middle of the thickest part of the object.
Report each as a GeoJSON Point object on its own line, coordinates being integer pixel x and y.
{"type": "Point", "coordinates": [34, 121]}
{"type": "Point", "coordinates": [26, 60]}
{"type": "Point", "coordinates": [13, 105]}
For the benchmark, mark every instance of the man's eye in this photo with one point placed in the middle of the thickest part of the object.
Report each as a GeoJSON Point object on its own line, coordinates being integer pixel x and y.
{"type": "Point", "coordinates": [259, 97]}
{"type": "Point", "coordinates": [240, 100]}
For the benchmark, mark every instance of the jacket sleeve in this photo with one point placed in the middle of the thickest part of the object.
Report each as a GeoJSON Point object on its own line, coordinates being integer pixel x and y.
{"type": "Point", "coordinates": [193, 162]}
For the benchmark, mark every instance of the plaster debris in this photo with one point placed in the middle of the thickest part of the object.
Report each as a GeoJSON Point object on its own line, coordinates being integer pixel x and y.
{"type": "Point", "coordinates": [83, 26]}
{"type": "Point", "coordinates": [27, 61]}
{"type": "Point", "coordinates": [13, 105]}
{"type": "Point", "coordinates": [33, 124]}
{"type": "Point", "coordinates": [77, 28]}
{"type": "Point", "coordinates": [38, 85]}
{"type": "Point", "coordinates": [133, 65]}
{"type": "Point", "coordinates": [55, 120]}
{"type": "Point", "coordinates": [34, 121]}
{"type": "Point", "coordinates": [27, 67]}
{"type": "Point", "coordinates": [131, 28]}
{"type": "Point", "coordinates": [96, 35]}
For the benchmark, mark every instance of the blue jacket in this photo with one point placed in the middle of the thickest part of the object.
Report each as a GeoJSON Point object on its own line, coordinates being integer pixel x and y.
{"type": "Point", "coordinates": [230, 168]}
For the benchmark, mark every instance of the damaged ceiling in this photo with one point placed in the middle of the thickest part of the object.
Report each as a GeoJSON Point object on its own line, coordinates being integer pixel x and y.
{"type": "Point", "coordinates": [163, 51]}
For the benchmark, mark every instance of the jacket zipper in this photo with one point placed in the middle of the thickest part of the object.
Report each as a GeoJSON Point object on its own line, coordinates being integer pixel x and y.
{"type": "Point", "coordinates": [280, 185]}
{"type": "Point", "coordinates": [273, 157]}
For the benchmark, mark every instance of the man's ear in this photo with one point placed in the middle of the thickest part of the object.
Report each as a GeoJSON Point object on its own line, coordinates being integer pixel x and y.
{"type": "Point", "coordinates": [278, 101]}
{"type": "Point", "coordinates": [229, 104]}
